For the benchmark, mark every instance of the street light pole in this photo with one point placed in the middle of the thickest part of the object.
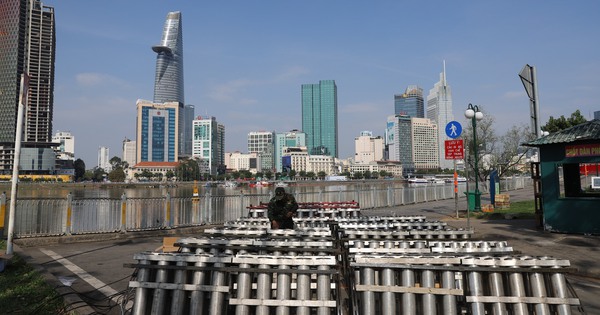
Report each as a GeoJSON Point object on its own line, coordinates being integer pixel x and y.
{"type": "Point", "coordinates": [474, 114]}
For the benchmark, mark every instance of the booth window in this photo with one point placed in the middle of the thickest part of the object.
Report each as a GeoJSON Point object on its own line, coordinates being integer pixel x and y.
{"type": "Point", "coordinates": [578, 180]}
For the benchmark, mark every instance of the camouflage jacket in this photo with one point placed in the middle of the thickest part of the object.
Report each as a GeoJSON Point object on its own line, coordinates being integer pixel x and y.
{"type": "Point", "coordinates": [278, 209]}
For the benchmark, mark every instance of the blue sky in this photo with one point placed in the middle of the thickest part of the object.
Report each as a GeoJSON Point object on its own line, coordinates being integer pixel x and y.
{"type": "Point", "coordinates": [246, 60]}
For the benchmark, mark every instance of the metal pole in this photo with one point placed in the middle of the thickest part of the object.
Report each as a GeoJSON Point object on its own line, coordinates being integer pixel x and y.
{"type": "Point", "coordinates": [455, 182]}
{"type": "Point", "coordinates": [536, 105]}
{"type": "Point", "coordinates": [476, 166]}
{"type": "Point", "coordinates": [15, 174]}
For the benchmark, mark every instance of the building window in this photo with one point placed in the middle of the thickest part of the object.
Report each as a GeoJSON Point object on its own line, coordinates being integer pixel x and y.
{"type": "Point", "coordinates": [577, 180]}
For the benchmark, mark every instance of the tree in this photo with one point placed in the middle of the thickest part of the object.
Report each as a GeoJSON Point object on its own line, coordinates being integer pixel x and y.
{"type": "Point", "coordinates": [117, 175]}
{"type": "Point", "coordinates": [367, 174]}
{"type": "Point", "coordinates": [188, 170]}
{"type": "Point", "coordinates": [116, 162]}
{"type": "Point", "coordinates": [493, 152]}
{"type": "Point", "coordinates": [512, 152]}
{"type": "Point", "coordinates": [292, 174]}
{"type": "Point", "coordinates": [321, 174]}
{"type": "Point", "coordinates": [79, 166]}
{"type": "Point", "coordinates": [98, 175]}
{"type": "Point", "coordinates": [302, 174]}
{"type": "Point", "coordinates": [146, 174]}
{"type": "Point", "coordinates": [268, 175]}
{"type": "Point", "coordinates": [561, 123]}
{"type": "Point", "coordinates": [487, 142]}
{"type": "Point", "coordinates": [169, 174]}
{"type": "Point", "coordinates": [89, 175]}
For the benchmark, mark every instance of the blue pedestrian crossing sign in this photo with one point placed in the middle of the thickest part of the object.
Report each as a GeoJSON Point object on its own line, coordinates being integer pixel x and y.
{"type": "Point", "coordinates": [453, 129]}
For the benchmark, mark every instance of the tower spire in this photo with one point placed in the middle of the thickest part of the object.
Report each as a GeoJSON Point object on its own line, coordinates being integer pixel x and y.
{"type": "Point", "coordinates": [444, 74]}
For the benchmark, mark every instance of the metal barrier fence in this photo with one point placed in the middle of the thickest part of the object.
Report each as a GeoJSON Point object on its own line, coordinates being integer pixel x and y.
{"type": "Point", "coordinates": [51, 217]}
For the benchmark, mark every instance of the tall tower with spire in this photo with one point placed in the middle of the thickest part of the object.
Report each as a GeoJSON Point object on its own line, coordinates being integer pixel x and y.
{"type": "Point", "coordinates": [439, 111]}
{"type": "Point", "coordinates": [168, 82]}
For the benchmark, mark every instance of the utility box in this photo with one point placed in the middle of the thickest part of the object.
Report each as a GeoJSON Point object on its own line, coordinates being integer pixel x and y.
{"type": "Point", "coordinates": [471, 199]}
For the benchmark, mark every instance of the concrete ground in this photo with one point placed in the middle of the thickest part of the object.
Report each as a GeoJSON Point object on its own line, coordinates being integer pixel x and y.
{"type": "Point", "coordinates": [89, 271]}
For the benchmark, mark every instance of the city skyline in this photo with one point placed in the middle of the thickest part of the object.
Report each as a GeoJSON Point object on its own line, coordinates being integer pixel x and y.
{"type": "Point", "coordinates": [245, 63]}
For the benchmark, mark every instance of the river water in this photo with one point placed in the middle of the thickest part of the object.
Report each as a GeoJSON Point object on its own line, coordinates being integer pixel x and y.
{"type": "Point", "coordinates": [28, 190]}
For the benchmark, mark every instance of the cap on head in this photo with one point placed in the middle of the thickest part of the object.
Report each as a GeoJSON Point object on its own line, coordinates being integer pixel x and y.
{"type": "Point", "coordinates": [279, 191]}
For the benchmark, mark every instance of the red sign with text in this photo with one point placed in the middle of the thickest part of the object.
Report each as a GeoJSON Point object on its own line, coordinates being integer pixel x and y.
{"type": "Point", "coordinates": [454, 149]}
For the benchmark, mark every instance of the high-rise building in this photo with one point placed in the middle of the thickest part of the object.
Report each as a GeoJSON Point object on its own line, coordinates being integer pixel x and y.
{"type": "Point", "coordinates": [129, 155]}
{"type": "Point", "coordinates": [439, 111]}
{"type": "Point", "coordinates": [368, 148]}
{"type": "Point", "coordinates": [168, 82]}
{"type": "Point", "coordinates": [158, 131]}
{"type": "Point", "coordinates": [261, 142]}
{"type": "Point", "coordinates": [320, 117]}
{"type": "Point", "coordinates": [104, 159]}
{"type": "Point", "coordinates": [412, 142]}
{"type": "Point", "coordinates": [291, 139]}
{"type": "Point", "coordinates": [597, 114]}
{"type": "Point", "coordinates": [208, 144]}
{"type": "Point", "coordinates": [27, 45]}
{"type": "Point", "coordinates": [66, 147]}
{"type": "Point", "coordinates": [410, 102]}
{"type": "Point", "coordinates": [188, 117]}
{"type": "Point", "coordinates": [424, 143]}
{"type": "Point", "coordinates": [398, 142]}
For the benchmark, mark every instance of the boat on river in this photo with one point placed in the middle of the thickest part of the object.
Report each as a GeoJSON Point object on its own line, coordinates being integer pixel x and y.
{"type": "Point", "coordinates": [263, 183]}
{"type": "Point", "coordinates": [415, 181]}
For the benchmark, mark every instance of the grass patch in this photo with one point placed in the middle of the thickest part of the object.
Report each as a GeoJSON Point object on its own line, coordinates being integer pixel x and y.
{"type": "Point", "coordinates": [518, 210]}
{"type": "Point", "coordinates": [24, 291]}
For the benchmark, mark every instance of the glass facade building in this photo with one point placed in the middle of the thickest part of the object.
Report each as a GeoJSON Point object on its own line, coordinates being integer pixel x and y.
{"type": "Point", "coordinates": [439, 111]}
{"type": "Point", "coordinates": [157, 131]}
{"type": "Point", "coordinates": [398, 142]}
{"type": "Point", "coordinates": [209, 144]}
{"type": "Point", "coordinates": [320, 117]}
{"type": "Point", "coordinates": [186, 135]}
{"type": "Point", "coordinates": [168, 82]}
{"type": "Point", "coordinates": [410, 102]}
{"type": "Point", "coordinates": [27, 45]}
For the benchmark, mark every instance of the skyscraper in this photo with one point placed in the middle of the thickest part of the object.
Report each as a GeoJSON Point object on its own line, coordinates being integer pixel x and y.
{"type": "Point", "coordinates": [398, 141]}
{"type": "Point", "coordinates": [209, 144]}
{"type": "Point", "coordinates": [168, 82]}
{"type": "Point", "coordinates": [157, 131]}
{"type": "Point", "coordinates": [320, 117]}
{"type": "Point", "coordinates": [104, 159]}
{"type": "Point", "coordinates": [410, 102]}
{"type": "Point", "coordinates": [439, 110]}
{"type": "Point", "coordinates": [27, 45]}
{"type": "Point", "coordinates": [424, 143]}
{"type": "Point", "coordinates": [186, 137]}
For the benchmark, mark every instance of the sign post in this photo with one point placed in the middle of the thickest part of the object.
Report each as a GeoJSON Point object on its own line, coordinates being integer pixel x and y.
{"type": "Point", "coordinates": [454, 150]}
